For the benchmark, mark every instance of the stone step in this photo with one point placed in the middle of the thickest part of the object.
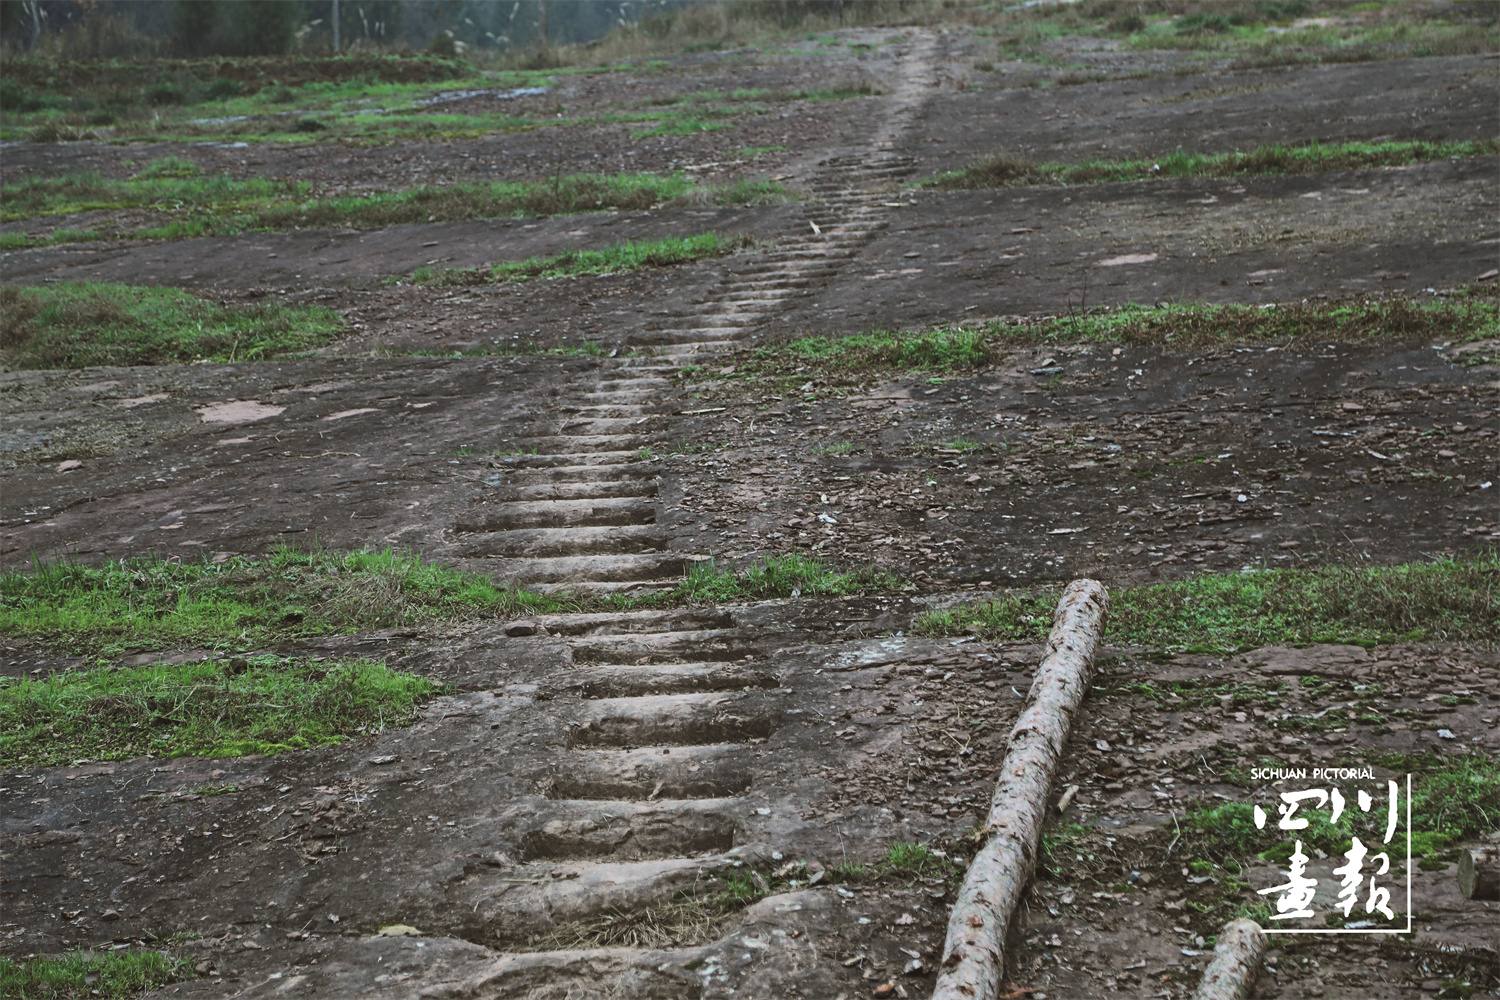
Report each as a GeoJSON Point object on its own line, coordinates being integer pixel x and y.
{"type": "Point", "coordinates": [716, 645]}
{"type": "Point", "coordinates": [540, 463]}
{"type": "Point", "coordinates": [675, 719]}
{"type": "Point", "coordinates": [623, 571]}
{"type": "Point", "coordinates": [614, 425]}
{"type": "Point", "coordinates": [558, 514]}
{"type": "Point", "coordinates": [538, 543]}
{"type": "Point", "coordinates": [688, 772]}
{"type": "Point", "coordinates": [579, 489]}
{"type": "Point", "coordinates": [623, 829]}
{"type": "Point", "coordinates": [502, 912]}
{"type": "Point", "coordinates": [629, 680]}
{"type": "Point", "coordinates": [575, 444]}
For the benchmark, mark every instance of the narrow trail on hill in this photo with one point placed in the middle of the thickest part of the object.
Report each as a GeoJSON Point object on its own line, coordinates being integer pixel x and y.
{"type": "Point", "coordinates": [578, 509]}
{"type": "Point", "coordinates": [650, 793]}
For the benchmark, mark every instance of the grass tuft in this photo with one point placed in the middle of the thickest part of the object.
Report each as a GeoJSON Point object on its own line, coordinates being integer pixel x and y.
{"type": "Point", "coordinates": [78, 324]}
{"type": "Point", "coordinates": [1454, 600]}
{"type": "Point", "coordinates": [213, 708]}
{"type": "Point", "coordinates": [616, 259]}
{"type": "Point", "coordinates": [1197, 324]}
{"type": "Point", "coordinates": [112, 975]}
{"type": "Point", "coordinates": [848, 360]}
{"type": "Point", "coordinates": [1008, 171]}
{"type": "Point", "coordinates": [182, 203]}
{"type": "Point", "coordinates": [147, 602]}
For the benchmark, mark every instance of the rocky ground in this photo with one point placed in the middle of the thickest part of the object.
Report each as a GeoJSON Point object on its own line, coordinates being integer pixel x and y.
{"type": "Point", "coordinates": [572, 810]}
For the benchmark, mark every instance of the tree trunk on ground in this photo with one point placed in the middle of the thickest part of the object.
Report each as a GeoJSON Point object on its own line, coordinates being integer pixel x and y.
{"type": "Point", "coordinates": [1237, 957]}
{"type": "Point", "coordinates": [1479, 874]}
{"type": "Point", "coordinates": [974, 953]}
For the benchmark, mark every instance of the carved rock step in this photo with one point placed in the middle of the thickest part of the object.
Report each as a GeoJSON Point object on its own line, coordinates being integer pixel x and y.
{"type": "Point", "coordinates": [687, 772]}
{"type": "Point", "coordinates": [643, 385]}
{"type": "Point", "coordinates": [722, 336]}
{"type": "Point", "coordinates": [697, 339]}
{"type": "Point", "coordinates": [613, 425]}
{"type": "Point", "coordinates": [673, 719]}
{"type": "Point", "coordinates": [617, 409]}
{"type": "Point", "coordinates": [623, 681]}
{"type": "Point", "coordinates": [665, 647]}
{"type": "Point", "coordinates": [560, 513]}
{"type": "Point", "coordinates": [546, 464]}
{"type": "Point", "coordinates": [560, 444]}
{"type": "Point", "coordinates": [592, 488]}
{"type": "Point", "coordinates": [593, 574]}
{"type": "Point", "coordinates": [499, 913]}
{"type": "Point", "coordinates": [536, 543]}
{"type": "Point", "coordinates": [552, 829]}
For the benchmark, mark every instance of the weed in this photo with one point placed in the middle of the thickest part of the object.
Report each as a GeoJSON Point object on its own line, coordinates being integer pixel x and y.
{"type": "Point", "coordinates": [1457, 801]}
{"type": "Point", "coordinates": [1452, 600]}
{"type": "Point", "coordinates": [1199, 324]}
{"type": "Point", "coordinates": [214, 708]}
{"type": "Point", "coordinates": [111, 974]}
{"type": "Point", "coordinates": [77, 324]}
{"type": "Point", "coordinates": [147, 602]}
{"type": "Point", "coordinates": [853, 357]}
{"type": "Point", "coordinates": [616, 259]}
{"type": "Point", "coordinates": [839, 448]}
{"type": "Point", "coordinates": [1008, 171]}
{"type": "Point", "coordinates": [186, 204]}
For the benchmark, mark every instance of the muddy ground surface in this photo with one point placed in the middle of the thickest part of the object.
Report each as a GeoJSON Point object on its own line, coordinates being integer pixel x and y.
{"type": "Point", "coordinates": [1071, 461]}
{"type": "Point", "coordinates": [571, 809]}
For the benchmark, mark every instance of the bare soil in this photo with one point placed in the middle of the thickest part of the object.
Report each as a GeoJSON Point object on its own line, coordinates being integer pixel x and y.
{"type": "Point", "coordinates": [567, 814]}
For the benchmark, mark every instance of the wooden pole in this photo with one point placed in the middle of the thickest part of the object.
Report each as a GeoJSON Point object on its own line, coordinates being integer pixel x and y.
{"type": "Point", "coordinates": [974, 953]}
{"type": "Point", "coordinates": [1237, 957]}
{"type": "Point", "coordinates": [1479, 874]}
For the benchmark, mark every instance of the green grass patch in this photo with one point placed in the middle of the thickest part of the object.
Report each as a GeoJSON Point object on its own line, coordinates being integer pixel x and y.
{"type": "Point", "coordinates": [164, 191]}
{"type": "Point", "coordinates": [186, 205]}
{"type": "Point", "coordinates": [1453, 600]}
{"type": "Point", "coordinates": [78, 975]}
{"type": "Point", "coordinates": [776, 577]}
{"type": "Point", "coordinates": [617, 259]}
{"type": "Point", "coordinates": [903, 862]}
{"type": "Point", "coordinates": [147, 603]}
{"type": "Point", "coordinates": [1200, 324]}
{"type": "Point", "coordinates": [848, 360]}
{"type": "Point", "coordinates": [1008, 171]}
{"type": "Point", "coordinates": [78, 324]}
{"type": "Point", "coordinates": [1456, 801]}
{"type": "Point", "coordinates": [832, 363]}
{"type": "Point", "coordinates": [226, 707]}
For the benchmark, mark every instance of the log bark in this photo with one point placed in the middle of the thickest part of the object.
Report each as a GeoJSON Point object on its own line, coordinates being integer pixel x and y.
{"type": "Point", "coordinates": [1479, 874]}
{"type": "Point", "coordinates": [1237, 957]}
{"type": "Point", "coordinates": [974, 952]}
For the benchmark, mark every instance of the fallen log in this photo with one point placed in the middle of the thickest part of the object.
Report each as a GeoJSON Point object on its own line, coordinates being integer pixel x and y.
{"type": "Point", "coordinates": [974, 952]}
{"type": "Point", "coordinates": [1237, 957]}
{"type": "Point", "coordinates": [1479, 874]}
